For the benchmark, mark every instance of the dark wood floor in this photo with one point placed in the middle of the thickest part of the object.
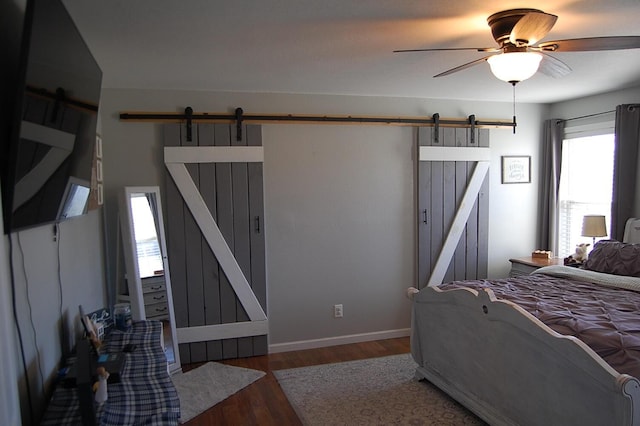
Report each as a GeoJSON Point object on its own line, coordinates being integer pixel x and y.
{"type": "Point", "coordinates": [263, 402]}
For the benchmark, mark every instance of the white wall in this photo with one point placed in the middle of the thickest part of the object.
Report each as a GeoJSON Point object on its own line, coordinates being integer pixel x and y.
{"type": "Point", "coordinates": [339, 200]}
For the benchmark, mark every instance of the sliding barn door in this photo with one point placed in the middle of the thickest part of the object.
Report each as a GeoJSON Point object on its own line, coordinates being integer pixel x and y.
{"type": "Point", "coordinates": [453, 204]}
{"type": "Point", "coordinates": [215, 236]}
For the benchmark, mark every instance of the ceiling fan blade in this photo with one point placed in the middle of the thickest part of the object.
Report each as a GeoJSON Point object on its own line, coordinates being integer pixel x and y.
{"type": "Point", "coordinates": [463, 67]}
{"type": "Point", "coordinates": [532, 27]}
{"type": "Point", "coordinates": [553, 67]}
{"type": "Point", "coordinates": [591, 44]}
{"type": "Point", "coordinates": [477, 49]}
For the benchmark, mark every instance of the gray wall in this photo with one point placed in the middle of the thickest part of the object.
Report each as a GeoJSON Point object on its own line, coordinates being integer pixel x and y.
{"type": "Point", "coordinates": [9, 359]}
{"type": "Point", "coordinates": [338, 230]}
{"type": "Point", "coordinates": [36, 259]}
{"type": "Point", "coordinates": [44, 301]}
{"type": "Point", "coordinates": [339, 201]}
{"type": "Point", "coordinates": [11, 23]}
{"type": "Point", "coordinates": [594, 104]}
{"type": "Point", "coordinates": [133, 157]}
{"type": "Point", "coordinates": [597, 104]}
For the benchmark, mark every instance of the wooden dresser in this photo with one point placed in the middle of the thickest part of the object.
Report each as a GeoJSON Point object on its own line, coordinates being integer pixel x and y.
{"type": "Point", "coordinates": [154, 291]}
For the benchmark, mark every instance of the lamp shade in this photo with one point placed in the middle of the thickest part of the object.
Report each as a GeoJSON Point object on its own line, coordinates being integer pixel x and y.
{"type": "Point", "coordinates": [594, 226]}
{"type": "Point", "coordinates": [514, 67]}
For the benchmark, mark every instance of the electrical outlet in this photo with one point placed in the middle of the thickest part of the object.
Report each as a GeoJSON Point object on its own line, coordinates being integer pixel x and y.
{"type": "Point", "coordinates": [337, 311]}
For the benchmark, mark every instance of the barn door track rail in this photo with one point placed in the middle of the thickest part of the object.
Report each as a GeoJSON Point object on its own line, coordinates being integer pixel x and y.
{"type": "Point", "coordinates": [239, 117]}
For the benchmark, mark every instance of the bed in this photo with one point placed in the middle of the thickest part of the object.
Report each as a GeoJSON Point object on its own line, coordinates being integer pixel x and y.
{"type": "Point", "coordinates": [528, 350]}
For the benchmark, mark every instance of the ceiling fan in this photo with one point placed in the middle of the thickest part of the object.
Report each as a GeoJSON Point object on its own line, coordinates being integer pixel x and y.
{"type": "Point", "coordinates": [519, 55]}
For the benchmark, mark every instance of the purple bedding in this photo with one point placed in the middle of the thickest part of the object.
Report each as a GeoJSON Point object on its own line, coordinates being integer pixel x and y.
{"type": "Point", "coordinates": [607, 319]}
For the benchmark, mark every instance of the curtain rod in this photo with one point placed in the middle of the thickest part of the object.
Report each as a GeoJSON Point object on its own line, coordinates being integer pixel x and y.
{"type": "Point", "coordinates": [588, 116]}
{"type": "Point", "coordinates": [239, 116]}
{"type": "Point", "coordinates": [599, 113]}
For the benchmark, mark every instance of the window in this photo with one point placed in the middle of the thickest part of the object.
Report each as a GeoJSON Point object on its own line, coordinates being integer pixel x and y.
{"type": "Point", "coordinates": [586, 186]}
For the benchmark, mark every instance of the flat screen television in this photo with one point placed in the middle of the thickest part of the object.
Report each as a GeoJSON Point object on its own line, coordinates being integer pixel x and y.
{"type": "Point", "coordinates": [51, 139]}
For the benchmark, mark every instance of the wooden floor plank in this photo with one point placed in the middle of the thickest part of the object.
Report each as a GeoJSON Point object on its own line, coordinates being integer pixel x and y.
{"type": "Point", "coordinates": [263, 402]}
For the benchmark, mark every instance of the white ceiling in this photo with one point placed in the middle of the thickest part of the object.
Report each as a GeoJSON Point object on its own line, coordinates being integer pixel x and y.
{"type": "Point", "coordinates": [343, 46]}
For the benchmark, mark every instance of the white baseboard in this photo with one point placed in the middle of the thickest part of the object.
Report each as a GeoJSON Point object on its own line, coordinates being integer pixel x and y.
{"type": "Point", "coordinates": [338, 340]}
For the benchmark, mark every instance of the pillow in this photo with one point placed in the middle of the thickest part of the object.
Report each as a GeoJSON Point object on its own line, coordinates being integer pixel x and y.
{"type": "Point", "coordinates": [614, 257]}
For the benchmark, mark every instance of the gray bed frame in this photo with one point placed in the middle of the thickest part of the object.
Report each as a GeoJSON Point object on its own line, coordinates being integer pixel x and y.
{"type": "Point", "coordinates": [509, 368]}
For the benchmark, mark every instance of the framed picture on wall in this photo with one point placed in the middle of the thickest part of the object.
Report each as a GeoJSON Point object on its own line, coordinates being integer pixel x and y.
{"type": "Point", "coordinates": [516, 169]}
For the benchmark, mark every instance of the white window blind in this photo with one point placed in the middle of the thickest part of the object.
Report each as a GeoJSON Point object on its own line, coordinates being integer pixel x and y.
{"type": "Point", "coordinates": [148, 248]}
{"type": "Point", "coordinates": [586, 186]}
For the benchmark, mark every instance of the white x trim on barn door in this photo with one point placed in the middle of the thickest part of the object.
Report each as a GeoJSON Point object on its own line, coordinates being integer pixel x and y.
{"type": "Point", "coordinates": [482, 157]}
{"type": "Point", "coordinates": [175, 159]}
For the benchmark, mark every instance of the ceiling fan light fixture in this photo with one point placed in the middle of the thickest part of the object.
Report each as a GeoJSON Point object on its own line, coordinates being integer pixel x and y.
{"type": "Point", "coordinates": [514, 67]}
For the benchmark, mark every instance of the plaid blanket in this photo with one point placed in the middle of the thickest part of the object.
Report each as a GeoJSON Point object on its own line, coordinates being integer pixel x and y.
{"type": "Point", "coordinates": [145, 394]}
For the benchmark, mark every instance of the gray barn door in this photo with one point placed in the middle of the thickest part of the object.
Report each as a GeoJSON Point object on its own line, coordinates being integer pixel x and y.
{"type": "Point", "coordinates": [215, 238]}
{"type": "Point", "coordinates": [453, 204]}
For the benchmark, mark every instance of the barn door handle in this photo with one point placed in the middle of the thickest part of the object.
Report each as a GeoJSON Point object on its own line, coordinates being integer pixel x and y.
{"type": "Point", "coordinates": [424, 216]}
{"type": "Point", "coordinates": [257, 224]}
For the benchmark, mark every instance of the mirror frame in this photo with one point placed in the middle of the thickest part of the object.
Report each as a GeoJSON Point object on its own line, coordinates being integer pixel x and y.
{"type": "Point", "coordinates": [134, 282]}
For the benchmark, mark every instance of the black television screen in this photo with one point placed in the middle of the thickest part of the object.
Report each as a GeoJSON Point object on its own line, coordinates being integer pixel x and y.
{"type": "Point", "coordinates": [53, 132]}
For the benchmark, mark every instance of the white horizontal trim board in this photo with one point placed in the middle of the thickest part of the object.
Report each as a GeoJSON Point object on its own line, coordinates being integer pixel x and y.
{"type": "Point", "coordinates": [454, 153]}
{"type": "Point", "coordinates": [222, 331]}
{"type": "Point", "coordinates": [213, 154]}
{"type": "Point", "coordinates": [338, 340]}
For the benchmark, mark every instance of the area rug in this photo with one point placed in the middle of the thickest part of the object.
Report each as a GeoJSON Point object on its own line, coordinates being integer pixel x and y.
{"type": "Point", "coordinates": [375, 391]}
{"type": "Point", "coordinates": [205, 386]}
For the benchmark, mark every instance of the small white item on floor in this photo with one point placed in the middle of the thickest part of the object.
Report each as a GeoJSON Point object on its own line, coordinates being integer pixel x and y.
{"type": "Point", "coordinates": [101, 392]}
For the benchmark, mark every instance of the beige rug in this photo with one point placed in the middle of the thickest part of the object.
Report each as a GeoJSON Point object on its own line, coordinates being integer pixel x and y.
{"type": "Point", "coordinates": [376, 391]}
{"type": "Point", "coordinates": [205, 386]}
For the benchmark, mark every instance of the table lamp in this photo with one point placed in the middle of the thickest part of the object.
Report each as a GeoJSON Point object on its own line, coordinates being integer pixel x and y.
{"type": "Point", "coordinates": [594, 226]}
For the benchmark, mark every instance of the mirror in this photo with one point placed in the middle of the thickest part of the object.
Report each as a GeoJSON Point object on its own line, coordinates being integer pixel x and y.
{"type": "Point", "coordinates": [147, 266]}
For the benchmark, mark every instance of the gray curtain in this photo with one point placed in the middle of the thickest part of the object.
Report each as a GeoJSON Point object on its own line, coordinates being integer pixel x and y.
{"type": "Point", "coordinates": [551, 160]}
{"type": "Point", "coordinates": [625, 166]}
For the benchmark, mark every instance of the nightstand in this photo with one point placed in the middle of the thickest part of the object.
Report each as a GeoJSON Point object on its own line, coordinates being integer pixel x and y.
{"type": "Point", "coordinates": [526, 265]}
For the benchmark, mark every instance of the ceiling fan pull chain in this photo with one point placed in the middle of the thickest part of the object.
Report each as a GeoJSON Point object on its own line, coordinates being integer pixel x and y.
{"type": "Point", "coordinates": [514, 107]}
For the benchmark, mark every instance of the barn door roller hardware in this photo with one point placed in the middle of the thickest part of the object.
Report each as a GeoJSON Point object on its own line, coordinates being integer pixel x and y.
{"type": "Point", "coordinates": [188, 114]}
{"type": "Point", "coordinates": [472, 124]}
{"type": "Point", "coordinates": [59, 98]}
{"type": "Point", "coordinates": [239, 124]}
{"type": "Point", "coordinates": [239, 117]}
